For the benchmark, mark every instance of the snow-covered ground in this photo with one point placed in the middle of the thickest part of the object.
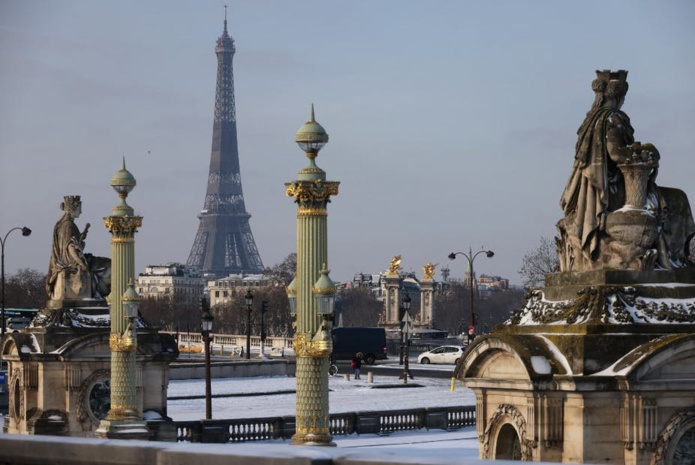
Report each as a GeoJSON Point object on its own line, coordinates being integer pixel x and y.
{"type": "Point", "coordinates": [344, 396]}
{"type": "Point", "coordinates": [385, 393]}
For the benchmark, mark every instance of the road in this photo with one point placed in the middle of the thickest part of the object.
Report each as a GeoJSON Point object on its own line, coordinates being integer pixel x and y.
{"type": "Point", "coordinates": [391, 367]}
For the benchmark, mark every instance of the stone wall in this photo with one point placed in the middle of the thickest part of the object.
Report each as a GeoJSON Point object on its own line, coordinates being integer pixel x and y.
{"type": "Point", "coordinates": [236, 369]}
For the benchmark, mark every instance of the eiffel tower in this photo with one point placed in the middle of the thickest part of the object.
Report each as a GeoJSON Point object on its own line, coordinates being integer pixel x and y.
{"type": "Point", "coordinates": [224, 243]}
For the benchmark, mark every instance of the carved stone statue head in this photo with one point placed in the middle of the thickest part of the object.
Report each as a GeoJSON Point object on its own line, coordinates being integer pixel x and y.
{"type": "Point", "coordinates": [610, 87]}
{"type": "Point", "coordinates": [72, 204]}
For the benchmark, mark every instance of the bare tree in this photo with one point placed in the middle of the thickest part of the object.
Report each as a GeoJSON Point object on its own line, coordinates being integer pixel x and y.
{"type": "Point", "coordinates": [26, 289]}
{"type": "Point", "coordinates": [539, 262]}
{"type": "Point", "coordinates": [171, 312]}
{"type": "Point", "coordinates": [358, 307]}
{"type": "Point", "coordinates": [284, 271]}
{"type": "Point", "coordinates": [452, 308]}
{"type": "Point", "coordinates": [231, 317]}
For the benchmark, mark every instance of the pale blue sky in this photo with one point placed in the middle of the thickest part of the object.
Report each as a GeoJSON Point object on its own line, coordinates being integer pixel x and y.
{"type": "Point", "coordinates": [452, 123]}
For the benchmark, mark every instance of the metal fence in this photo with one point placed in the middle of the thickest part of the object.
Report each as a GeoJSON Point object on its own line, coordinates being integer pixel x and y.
{"type": "Point", "coordinates": [377, 422]}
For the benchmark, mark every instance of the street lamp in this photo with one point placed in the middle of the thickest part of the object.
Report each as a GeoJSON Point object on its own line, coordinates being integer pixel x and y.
{"type": "Point", "coordinates": [470, 257]}
{"type": "Point", "coordinates": [406, 307]}
{"type": "Point", "coordinates": [25, 232]}
{"type": "Point", "coordinates": [264, 310]}
{"type": "Point", "coordinates": [312, 294]}
{"type": "Point", "coordinates": [206, 329]}
{"type": "Point", "coordinates": [249, 303]}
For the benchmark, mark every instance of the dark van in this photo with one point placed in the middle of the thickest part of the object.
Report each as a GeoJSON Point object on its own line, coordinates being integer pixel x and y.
{"type": "Point", "coordinates": [349, 341]}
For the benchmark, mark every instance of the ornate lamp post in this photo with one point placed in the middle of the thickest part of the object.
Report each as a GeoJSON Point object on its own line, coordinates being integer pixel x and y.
{"type": "Point", "coordinates": [206, 329]}
{"type": "Point", "coordinates": [470, 257]}
{"type": "Point", "coordinates": [405, 304]}
{"type": "Point", "coordinates": [123, 420]}
{"type": "Point", "coordinates": [406, 331]}
{"type": "Point", "coordinates": [25, 232]}
{"type": "Point", "coordinates": [249, 302]}
{"type": "Point", "coordinates": [264, 310]}
{"type": "Point", "coordinates": [312, 290]}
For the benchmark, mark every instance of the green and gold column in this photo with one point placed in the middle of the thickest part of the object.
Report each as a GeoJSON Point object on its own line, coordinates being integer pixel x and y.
{"type": "Point", "coordinates": [311, 286]}
{"type": "Point", "coordinates": [123, 420]}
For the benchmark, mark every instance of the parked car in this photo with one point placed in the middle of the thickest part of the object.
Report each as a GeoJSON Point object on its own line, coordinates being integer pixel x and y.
{"type": "Point", "coordinates": [442, 354]}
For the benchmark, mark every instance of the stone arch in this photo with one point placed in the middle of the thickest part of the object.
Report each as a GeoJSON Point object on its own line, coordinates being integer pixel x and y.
{"type": "Point", "coordinates": [84, 412]}
{"type": "Point", "coordinates": [508, 444]}
{"type": "Point", "coordinates": [676, 443]}
{"type": "Point", "coordinates": [485, 349]}
{"type": "Point", "coordinates": [17, 408]}
{"type": "Point", "coordinates": [670, 357]}
{"type": "Point", "coordinates": [498, 435]}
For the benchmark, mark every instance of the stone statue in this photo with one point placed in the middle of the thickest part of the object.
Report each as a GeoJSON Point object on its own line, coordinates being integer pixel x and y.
{"type": "Point", "coordinates": [73, 274]}
{"type": "Point", "coordinates": [395, 265]}
{"type": "Point", "coordinates": [428, 271]}
{"type": "Point", "coordinates": [616, 217]}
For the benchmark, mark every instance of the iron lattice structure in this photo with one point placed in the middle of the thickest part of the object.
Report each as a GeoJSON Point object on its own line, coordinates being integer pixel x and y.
{"type": "Point", "coordinates": [224, 243]}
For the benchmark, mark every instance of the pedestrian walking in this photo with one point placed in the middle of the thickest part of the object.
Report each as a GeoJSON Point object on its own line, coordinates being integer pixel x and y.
{"type": "Point", "coordinates": [356, 364]}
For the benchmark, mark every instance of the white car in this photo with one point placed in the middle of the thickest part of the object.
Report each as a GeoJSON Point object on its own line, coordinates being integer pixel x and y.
{"type": "Point", "coordinates": [442, 354]}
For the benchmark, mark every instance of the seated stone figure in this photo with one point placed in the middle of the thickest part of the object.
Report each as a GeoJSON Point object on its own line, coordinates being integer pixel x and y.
{"type": "Point", "coordinates": [616, 217]}
{"type": "Point", "coordinates": [73, 274]}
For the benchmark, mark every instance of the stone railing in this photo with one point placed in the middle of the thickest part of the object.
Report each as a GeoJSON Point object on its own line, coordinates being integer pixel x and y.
{"type": "Point", "coordinates": [230, 343]}
{"type": "Point", "coordinates": [377, 422]}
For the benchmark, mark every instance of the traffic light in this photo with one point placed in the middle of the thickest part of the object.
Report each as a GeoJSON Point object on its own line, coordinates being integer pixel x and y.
{"type": "Point", "coordinates": [264, 306]}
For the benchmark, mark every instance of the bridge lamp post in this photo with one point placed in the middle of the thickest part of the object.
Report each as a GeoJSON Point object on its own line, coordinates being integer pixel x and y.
{"type": "Point", "coordinates": [471, 258]}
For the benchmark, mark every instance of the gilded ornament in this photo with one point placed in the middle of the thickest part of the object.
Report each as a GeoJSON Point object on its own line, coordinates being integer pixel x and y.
{"type": "Point", "coordinates": [119, 343]}
{"type": "Point", "coordinates": [428, 271]}
{"type": "Point", "coordinates": [315, 348]}
{"type": "Point", "coordinates": [395, 265]}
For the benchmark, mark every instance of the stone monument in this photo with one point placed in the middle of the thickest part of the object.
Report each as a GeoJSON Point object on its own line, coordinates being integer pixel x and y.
{"type": "Point", "coordinates": [599, 365]}
{"type": "Point", "coordinates": [426, 314]}
{"type": "Point", "coordinates": [59, 368]}
{"type": "Point", "coordinates": [75, 277]}
{"type": "Point", "coordinates": [392, 301]}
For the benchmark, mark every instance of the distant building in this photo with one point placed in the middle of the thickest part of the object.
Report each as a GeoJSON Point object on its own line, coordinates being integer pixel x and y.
{"type": "Point", "coordinates": [377, 285]}
{"type": "Point", "coordinates": [221, 291]}
{"type": "Point", "coordinates": [487, 284]}
{"type": "Point", "coordinates": [172, 279]}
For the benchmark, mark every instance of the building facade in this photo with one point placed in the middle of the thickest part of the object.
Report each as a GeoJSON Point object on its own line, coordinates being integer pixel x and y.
{"type": "Point", "coordinates": [171, 280]}
{"type": "Point", "coordinates": [222, 291]}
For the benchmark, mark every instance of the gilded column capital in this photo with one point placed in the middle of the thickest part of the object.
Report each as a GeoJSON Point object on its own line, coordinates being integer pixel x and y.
{"type": "Point", "coordinates": [122, 225]}
{"type": "Point", "coordinates": [312, 195]}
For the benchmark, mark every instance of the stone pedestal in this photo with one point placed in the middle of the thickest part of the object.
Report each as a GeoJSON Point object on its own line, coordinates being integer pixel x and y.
{"type": "Point", "coordinates": [59, 372]}
{"type": "Point", "coordinates": [597, 367]}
